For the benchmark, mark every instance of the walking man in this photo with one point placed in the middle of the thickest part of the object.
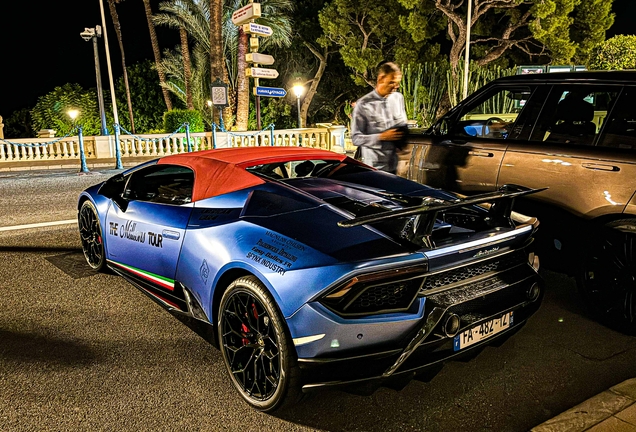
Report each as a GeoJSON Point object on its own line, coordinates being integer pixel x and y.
{"type": "Point", "coordinates": [379, 119]}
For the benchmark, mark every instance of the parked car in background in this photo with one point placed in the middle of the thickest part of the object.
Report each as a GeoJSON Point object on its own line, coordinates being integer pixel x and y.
{"type": "Point", "coordinates": [574, 133]}
{"type": "Point", "coordinates": [309, 269]}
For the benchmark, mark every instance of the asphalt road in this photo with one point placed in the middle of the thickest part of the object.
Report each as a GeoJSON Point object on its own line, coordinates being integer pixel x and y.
{"type": "Point", "coordinates": [81, 351]}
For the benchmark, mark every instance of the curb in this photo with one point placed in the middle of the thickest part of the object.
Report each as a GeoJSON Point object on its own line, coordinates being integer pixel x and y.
{"type": "Point", "coordinates": [71, 164]}
{"type": "Point", "coordinates": [611, 410]}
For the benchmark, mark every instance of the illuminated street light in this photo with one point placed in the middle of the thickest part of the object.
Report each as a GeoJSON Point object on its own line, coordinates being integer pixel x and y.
{"type": "Point", "coordinates": [73, 114]}
{"type": "Point", "coordinates": [299, 89]}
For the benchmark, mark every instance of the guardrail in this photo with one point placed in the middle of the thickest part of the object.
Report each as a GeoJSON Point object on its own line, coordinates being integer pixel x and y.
{"type": "Point", "coordinates": [154, 145]}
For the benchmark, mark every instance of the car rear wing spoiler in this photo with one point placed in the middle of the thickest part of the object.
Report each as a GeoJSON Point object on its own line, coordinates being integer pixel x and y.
{"type": "Point", "coordinates": [500, 209]}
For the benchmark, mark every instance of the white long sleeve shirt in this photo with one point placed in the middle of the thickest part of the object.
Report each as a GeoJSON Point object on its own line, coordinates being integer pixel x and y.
{"type": "Point", "coordinates": [372, 115]}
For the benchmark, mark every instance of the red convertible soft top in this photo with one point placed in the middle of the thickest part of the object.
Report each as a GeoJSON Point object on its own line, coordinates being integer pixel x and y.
{"type": "Point", "coordinates": [221, 171]}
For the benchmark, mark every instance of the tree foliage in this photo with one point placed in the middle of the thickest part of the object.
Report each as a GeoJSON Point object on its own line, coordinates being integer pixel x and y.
{"type": "Point", "coordinates": [591, 20]}
{"type": "Point", "coordinates": [617, 53]}
{"type": "Point", "coordinates": [366, 32]}
{"type": "Point", "coordinates": [51, 110]}
{"type": "Point", "coordinates": [18, 124]}
{"type": "Point", "coordinates": [556, 31]}
{"type": "Point", "coordinates": [148, 103]}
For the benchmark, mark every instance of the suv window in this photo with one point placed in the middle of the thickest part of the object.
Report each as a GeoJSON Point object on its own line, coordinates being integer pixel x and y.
{"type": "Point", "coordinates": [574, 114]}
{"type": "Point", "coordinates": [620, 131]}
{"type": "Point", "coordinates": [496, 115]}
{"type": "Point", "coordinates": [165, 184]}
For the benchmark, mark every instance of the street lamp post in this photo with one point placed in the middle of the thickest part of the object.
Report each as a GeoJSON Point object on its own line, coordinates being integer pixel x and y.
{"type": "Point", "coordinates": [118, 163]}
{"type": "Point", "coordinates": [299, 89]}
{"type": "Point", "coordinates": [80, 136]}
{"type": "Point", "coordinates": [93, 34]}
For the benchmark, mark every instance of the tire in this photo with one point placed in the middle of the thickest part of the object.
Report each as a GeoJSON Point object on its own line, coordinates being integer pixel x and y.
{"type": "Point", "coordinates": [91, 236]}
{"type": "Point", "coordinates": [607, 276]}
{"type": "Point", "coordinates": [256, 346]}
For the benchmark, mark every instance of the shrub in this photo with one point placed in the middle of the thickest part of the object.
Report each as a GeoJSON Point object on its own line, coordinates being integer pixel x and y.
{"type": "Point", "coordinates": [173, 119]}
{"type": "Point", "coordinates": [616, 53]}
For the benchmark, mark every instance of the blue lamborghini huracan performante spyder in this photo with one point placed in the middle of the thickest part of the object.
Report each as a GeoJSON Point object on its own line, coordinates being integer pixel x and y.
{"type": "Point", "coordinates": [309, 269]}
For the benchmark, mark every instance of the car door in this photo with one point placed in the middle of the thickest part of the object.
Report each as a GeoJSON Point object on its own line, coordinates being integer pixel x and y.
{"type": "Point", "coordinates": [466, 150]}
{"type": "Point", "coordinates": [565, 153]}
{"type": "Point", "coordinates": [147, 222]}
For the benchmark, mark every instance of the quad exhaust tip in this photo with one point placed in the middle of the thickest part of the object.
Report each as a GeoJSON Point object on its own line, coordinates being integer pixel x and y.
{"type": "Point", "coordinates": [451, 325]}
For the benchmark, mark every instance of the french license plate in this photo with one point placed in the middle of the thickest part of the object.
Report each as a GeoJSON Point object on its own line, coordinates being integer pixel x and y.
{"type": "Point", "coordinates": [482, 331]}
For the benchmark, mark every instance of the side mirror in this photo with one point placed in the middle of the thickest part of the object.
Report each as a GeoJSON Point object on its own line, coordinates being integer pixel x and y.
{"type": "Point", "coordinates": [113, 187]}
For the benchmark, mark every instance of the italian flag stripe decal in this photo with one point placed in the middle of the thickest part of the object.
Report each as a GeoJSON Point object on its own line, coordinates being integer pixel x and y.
{"type": "Point", "coordinates": [164, 282]}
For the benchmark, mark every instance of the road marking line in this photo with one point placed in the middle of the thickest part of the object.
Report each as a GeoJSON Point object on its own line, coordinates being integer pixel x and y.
{"type": "Point", "coordinates": [38, 225]}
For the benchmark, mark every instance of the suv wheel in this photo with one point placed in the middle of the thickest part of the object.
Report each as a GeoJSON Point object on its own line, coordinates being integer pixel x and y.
{"type": "Point", "coordinates": [607, 277]}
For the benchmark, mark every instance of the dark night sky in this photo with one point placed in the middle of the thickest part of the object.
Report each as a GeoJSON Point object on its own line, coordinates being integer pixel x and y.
{"type": "Point", "coordinates": [41, 47]}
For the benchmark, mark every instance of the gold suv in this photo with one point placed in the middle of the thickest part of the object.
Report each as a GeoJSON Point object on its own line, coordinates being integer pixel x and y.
{"type": "Point", "coordinates": [574, 133]}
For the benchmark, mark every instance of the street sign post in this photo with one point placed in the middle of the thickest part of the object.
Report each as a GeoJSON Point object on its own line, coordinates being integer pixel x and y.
{"type": "Point", "coordinates": [255, 72]}
{"type": "Point", "coordinates": [245, 17]}
{"type": "Point", "coordinates": [246, 13]}
{"type": "Point", "coordinates": [270, 91]}
{"type": "Point", "coordinates": [258, 29]}
{"type": "Point", "coordinates": [258, 58]}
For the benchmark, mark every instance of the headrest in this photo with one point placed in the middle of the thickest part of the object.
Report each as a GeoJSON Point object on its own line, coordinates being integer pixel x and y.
{"type": "Point", "coordinates": [573, 108]}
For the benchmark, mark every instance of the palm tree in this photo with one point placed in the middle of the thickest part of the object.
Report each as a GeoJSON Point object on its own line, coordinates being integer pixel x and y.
{"type": "Point", "coordinates": [157, 54]}
{"type": "Point", "coordinates": [194, 17]}
{"type": "Point", "coordinates": [275, 14]}
{"type": "Point", "coordinates": [217, 67]}
{"type": "Point", "coordinates": [187, 70]}
{"type": "Point", "coordinates": [177, 12]}
{"type": "Point", "coordinates": [117, 25]}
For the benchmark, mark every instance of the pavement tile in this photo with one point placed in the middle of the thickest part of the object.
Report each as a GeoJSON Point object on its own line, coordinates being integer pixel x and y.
{"type": "Point", "coordinates": [613, 424]}
{"type": "Point", "coordinates": [628, 415]}
{"type": "Point", "coordinates": [586, 414]}
{"type": "Point", "coordinates": [627, 388]}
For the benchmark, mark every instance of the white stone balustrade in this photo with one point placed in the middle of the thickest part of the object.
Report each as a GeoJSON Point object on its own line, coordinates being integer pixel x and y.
{"type": "Point", "coordinates": [157, 145]}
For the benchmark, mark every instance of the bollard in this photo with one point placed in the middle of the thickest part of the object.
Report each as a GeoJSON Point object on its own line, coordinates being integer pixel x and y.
{"type": "Point", "coordinates": [271, 135]}
{"type": "Point", "coordinates": [187, 127]}
{"type": "Point", "coordinates": [117, 149]}
{"type": "Point", "coordinates": [80, 137]}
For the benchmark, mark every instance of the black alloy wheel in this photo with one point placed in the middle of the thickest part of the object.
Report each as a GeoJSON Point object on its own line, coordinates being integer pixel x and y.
{"type": "Point", "coordinates": [607, 280]}
{"type": "Point", "coordinates": [256, 348]}
{"type": "Point", "coordinates": [91, 235]}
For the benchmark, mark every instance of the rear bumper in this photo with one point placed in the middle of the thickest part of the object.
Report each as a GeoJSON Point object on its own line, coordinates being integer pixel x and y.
{"type": "Point", "coordinates": [427, 347]}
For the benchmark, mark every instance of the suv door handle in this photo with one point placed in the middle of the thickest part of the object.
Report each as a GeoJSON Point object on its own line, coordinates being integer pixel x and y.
{"type": "Point", "coordinates": [480, 154]}
{"type": "Point", "coordinates": [454, 141]}
{"type": "Point", "coordinates": [601, 167]}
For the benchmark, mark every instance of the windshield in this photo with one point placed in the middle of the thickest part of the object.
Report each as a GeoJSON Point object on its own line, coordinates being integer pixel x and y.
{"type": "Point", "coordinates": [305, 168]}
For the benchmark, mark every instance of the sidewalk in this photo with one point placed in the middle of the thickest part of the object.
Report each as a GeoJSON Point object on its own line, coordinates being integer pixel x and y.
{"type": "Point", "coordinates": [613, 410]}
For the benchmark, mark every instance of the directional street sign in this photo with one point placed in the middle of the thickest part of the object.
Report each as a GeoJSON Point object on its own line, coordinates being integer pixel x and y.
{"type": "Point", "coordinates": [246, 13]}
{"type": "Point", "coordinates": [270, 92]}
{"type": "Point", "coordinates": [263, 59]}
{"type": "Point", "coordinates": [255, 72]}
{"type": "Point", "coordinates": [257, 29]}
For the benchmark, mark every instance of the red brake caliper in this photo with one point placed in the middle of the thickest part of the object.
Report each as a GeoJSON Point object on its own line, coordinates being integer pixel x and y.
{"type": "Point", "coordinates": [245, 331]}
